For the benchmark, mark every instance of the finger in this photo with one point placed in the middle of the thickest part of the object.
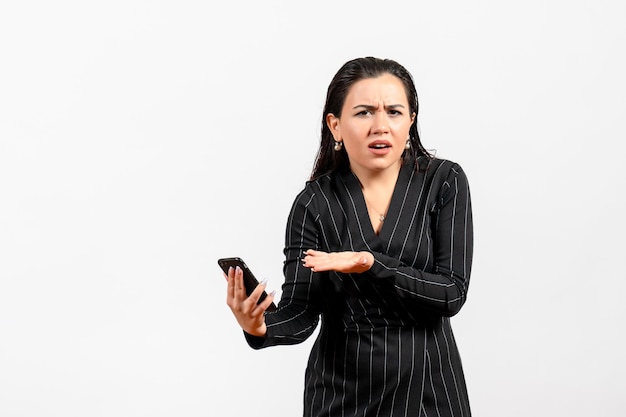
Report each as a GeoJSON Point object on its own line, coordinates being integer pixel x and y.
{"type": "Point", "coordinates": [314, 258]}
{"type": "Point", "coordinates": [255, 295]}
{"type": "Point", "coordinates": [230, 281]}
{"type": "Point", "coordinates": [312, 252]}
{"type": "Point", "coordinates": [261, 306]}
{"type": "Point", "coordinates": [321, 262]}
{"type": "Point", "coordinates": [239, 290]}
{"type": "Point", "coordinates": [266, 303]}
{"type": "Point", "coordinates": [309, 258]}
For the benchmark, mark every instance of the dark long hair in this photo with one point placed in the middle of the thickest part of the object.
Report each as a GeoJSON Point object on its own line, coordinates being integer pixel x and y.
{"type": "Point", "coordinates": [328, 160]}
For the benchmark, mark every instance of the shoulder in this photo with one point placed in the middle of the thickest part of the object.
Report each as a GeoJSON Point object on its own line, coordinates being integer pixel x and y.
{"type": "Point", "coordinates": [444, 178]}
{"type": "Point", "coordinates": [447, 179]}
{"type": "Point", "coordinates": [312, 191]}
{"type": "Point", "coordinates": [324, 186]}
{"type": "Point", "coordinates": [442, 170]}
{"type": "Point", "coordinates": [441, 164]}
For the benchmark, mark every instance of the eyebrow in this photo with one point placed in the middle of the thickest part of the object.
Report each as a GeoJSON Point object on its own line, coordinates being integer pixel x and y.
{"type": "Point", "coordinates": [370, 107]}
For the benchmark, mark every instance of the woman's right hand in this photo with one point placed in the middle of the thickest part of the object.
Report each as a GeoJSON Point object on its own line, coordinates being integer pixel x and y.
{"type": "Point", "coordinates": [248, 313]}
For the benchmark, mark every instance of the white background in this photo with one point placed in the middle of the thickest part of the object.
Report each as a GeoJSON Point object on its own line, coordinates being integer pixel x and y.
{"type": "Point", "coordinates": [142, 140]}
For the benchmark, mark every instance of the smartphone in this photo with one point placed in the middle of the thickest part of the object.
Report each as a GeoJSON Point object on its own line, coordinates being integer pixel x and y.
{"type": "Point", "coordinates": [249, 280]}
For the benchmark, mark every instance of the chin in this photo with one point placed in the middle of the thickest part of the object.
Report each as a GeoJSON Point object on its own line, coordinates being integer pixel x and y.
{"type": "Point", "coordinates": [386, 164]}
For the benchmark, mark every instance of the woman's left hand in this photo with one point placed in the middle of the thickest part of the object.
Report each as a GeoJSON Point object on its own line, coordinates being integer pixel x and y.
{"type": "Point", "coordinates": [346, 262]}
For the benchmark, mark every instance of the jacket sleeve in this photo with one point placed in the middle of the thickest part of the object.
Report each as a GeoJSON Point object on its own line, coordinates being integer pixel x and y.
{"type": "Point", "coordinates": [444, 290]}
{"type": "Point", "coordinates": [298, 311]}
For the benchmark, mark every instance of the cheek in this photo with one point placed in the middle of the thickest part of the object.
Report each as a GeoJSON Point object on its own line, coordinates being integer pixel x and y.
{"type": "Point", "coordinates": [402, 132]}
{"type": "Point", "coordinates": [353, 147]}
{"type": "Point", "coordinates": [352, 140]}
{"type": "Point", "coordinates": [354, 131]}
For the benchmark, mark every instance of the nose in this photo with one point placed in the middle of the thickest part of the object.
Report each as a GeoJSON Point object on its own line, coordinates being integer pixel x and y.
{"type": "Point", "coordinates": [381, 123]}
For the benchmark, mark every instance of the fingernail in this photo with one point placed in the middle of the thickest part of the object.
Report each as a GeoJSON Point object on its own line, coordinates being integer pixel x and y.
{"type": "Point", "coordinates": [230, 269]}
{"type": "Point", "coordinates": [263, 282]}
{"type": "Point", "coordinates": [273, 293]}
{"type": "Point", "coordinates": [238, 269]}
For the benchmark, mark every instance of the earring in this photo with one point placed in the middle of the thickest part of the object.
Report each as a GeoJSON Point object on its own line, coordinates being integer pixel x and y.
{"type": "Point", "coordinates": [407, 146]}
{"type": "Point", "coordinates": [338, 145]}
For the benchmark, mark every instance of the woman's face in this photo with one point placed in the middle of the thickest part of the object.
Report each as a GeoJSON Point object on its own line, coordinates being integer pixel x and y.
{"type": "Point", "coordinates": [374, 124]}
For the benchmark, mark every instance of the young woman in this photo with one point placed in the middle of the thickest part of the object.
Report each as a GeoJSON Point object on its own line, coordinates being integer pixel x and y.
{"type": "Point", "coordinates": [379, 247]}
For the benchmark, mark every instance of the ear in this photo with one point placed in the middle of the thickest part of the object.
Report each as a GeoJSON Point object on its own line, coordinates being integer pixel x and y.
{"type": "Point", "coordinates": [413, 118]}
{"type": "Point", "coordinates": [333, 124]}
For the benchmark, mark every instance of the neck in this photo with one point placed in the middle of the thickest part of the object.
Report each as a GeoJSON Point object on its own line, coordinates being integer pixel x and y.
{"type": "Point", "coordinates": [378, 179]}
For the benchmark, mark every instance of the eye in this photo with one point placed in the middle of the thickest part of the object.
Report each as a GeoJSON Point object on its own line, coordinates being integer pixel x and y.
{"type": "Point", "coordinates": [364, 113]}
{"type": "Point", "coordinates": [395, 112]}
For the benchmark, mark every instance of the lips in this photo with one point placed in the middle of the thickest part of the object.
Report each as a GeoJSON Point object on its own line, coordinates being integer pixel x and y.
{"type": "Point", "coordinates": [379, 144]}
{"type": "Point", "coordinates": [380, 147]}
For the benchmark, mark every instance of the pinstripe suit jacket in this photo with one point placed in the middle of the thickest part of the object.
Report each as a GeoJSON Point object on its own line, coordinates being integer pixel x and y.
{"type": "Point", "coordinates": [385, 346]}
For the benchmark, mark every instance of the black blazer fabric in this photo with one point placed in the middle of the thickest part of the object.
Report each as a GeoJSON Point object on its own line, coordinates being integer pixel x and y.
{"type": "Point", "coordinates": [385, 346]}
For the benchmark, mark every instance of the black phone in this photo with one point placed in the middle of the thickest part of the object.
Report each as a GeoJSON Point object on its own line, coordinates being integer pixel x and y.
{"type": "Point", "coordinates": [249, 280]}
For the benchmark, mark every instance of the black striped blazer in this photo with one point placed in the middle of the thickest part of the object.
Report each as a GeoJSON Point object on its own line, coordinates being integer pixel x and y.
{"type": "Point", "coordinates": [385, 346]}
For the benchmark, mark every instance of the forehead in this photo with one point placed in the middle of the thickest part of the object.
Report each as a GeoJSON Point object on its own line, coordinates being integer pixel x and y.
{"type": "Point", "coordinates": [386, 88]}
